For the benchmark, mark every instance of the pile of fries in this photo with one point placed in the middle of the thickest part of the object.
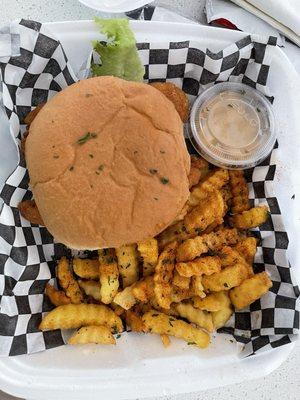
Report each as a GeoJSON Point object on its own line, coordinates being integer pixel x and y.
{"type": "Point", "coordinates": [184, 283]}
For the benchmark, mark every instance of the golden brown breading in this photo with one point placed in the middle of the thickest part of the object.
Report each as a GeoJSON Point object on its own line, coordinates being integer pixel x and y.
{"type": "Point", "coordinates": [252, 218]}
{"type": "Point", "coordinates": [199, 170]}
{"type": "Point", "coordinates": [176, 96]}
{"type": "Point", "coordinates": [28, 209]}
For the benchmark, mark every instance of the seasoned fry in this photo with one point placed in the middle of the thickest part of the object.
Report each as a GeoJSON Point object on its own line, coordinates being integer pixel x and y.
{"type": "Point", "coordinates": [165, 340]}
{"type": "Point", "coordinates": [199, 170]}
{"type": "Point", "coordinates": [209, 211]}
{"type": "Point", "coordinates": [178, 294]}
{"type": "Point", "coordinates": [214, 180]}
{"type": "Point", "coordinates": [128, 264]}
{"type": "Point", "coordinates": [247, 248]}
{"type": "Point", "coordinates": [73, 316]}
{"type": "Point", "coordinates": [134, 321]}
{"type": "Point", "coordinates": [143, 290]}
{"type": "Point", "coordinates": [252, 218]}
{"type": "Point", "coordinates": [176, 96]}
{"type": "Point", "coordinates": [200, 266]}
{"type": "Point", "coordinates": [239, 190]}
{"type": "Point", "coordinates": [164, 274]}
{"type": "Point", "coordinates": [230, 256]}
{"type": "Point", "coordinates": [228, 278]}
{"type": "Point", "coordinates": [109, 275]}
{"type": "Point", "coordinates": [156, 322]}
{"type": "Point", "coordinates": [28, 209]}
{"type": "Point", "coordinates": [212, 302]}
{"type": "Point", "coordinates": [213, 241]}
{"type": "Point", "coordinates": [201, 318]}
{"type": "Point", "coordinates": [91, 288]}
{"type": "Point", "coordinates": [86, 268]}
{"type": "Point", "coordinates": [149, 253]}
{"type": "Point", "coordinates": [67, 281]}
{"type": "Point", "coordinates": [250, 290]}
{"type": "Point", "coordinates": [222, 316]}
{"type": "Point", "coordinates": [57, 297]}
{"type": "Point", "coordinates": [197, 288]}
{"type": "Point", "coordinates": [125, 298]}
{"type": "Point", "coordinates": [33, 113]}
{"type": "Point", "coordinates": [92, 334]}
{"type": "Point", "coordinates": [182, 282]}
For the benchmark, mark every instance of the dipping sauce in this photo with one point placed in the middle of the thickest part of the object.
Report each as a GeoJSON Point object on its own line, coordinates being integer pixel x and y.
{"type": "Point", "coordinates": [232, 126]}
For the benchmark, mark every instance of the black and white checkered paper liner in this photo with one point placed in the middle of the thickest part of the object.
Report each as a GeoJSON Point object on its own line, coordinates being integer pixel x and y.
{"type": "Point", "coordinates": [40, 70]}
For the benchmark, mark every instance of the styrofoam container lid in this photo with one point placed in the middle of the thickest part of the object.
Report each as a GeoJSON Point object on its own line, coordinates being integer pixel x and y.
{"type": "Point", "coordinates": [114, 6]}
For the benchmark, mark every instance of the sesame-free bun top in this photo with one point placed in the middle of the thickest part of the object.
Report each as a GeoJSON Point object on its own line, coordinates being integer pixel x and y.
{"type": "Point", "coordinates": [107, 163]}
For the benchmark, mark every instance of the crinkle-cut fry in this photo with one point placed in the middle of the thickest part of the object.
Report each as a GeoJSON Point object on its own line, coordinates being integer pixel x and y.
{"type": "Point", "coordinates": [178, 294]}
{"type": "Point", "coordinates": [149, 252]}
{"type": "Point", "coordinates": [92, 334]}
{"type": "Point", "coordinates": [222, 316]}
{"type": "Point", "coordinates": [134, 321]}
{"type": "Point", "coordinates": [165, 340]}
{"type": "Point", "coordinates": [128, 263]}
{"type": "Point", "coordinates": [228, 278]}
{"type": "Point", "coordinates": [201, 318]}
{"type": "Point", "coordinates": [90, 288]}
{"type": "Point", "coordinates": [72, 316]}
{"type": "Point", "coordinates": [209, 211]}
{"type": "Point", "coordinates": [240, 193]}
{"type": "Point", "coordinates": [125, 298]}
{"type": "Point", "coordinates": [68, 282]}
{"type": "Point", "coordinates": [197, 288]}
{"type": "Point", "coordinates": [213, 241]}
{"type": "Point", "coordinates": [247, 248]}
{"type": "Point", "coordinates": [86, 268]}
{"type": "Point", "coordinates": [227, 196]}
{"type": "Point", "coordinates": [205, 265]}
{"type": "Point", "coordinates": [33, 113]}
{"type": "Point", "coordinates": [214, 180]}
{"type": "Point", "coordinates": [230, 256]}
{"type": "Point", "coordinates": [252, 218]}
{"type": "Point", "coordinates": [250, 290]}
{"type": "Point", "coordinates": [109, 275]}
{"type": "Point", "coordinates": [180, 281]}
{"type": "Point", "coordinates": [159, 323]}
{"type": "Point", "coordinates": [199, 170]}
{"type": "Point", "coordinates": [212, 302]}
{"type": "Point", "coordinates": [28, 209]}
{"type": "Point", "coordinates": [164, 274]}
{"type": "Point", "coordinates": [143, 290]}
{"type": "Point", "coordinates": [57, 297]}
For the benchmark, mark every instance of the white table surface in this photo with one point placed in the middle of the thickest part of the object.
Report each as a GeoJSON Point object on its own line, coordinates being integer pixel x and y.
{"type": "Point", "coordinates": [283, 383]}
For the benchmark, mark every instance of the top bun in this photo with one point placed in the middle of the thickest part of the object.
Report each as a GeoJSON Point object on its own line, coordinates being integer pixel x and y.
{"type": "Point", "coordinates": [108, 163]}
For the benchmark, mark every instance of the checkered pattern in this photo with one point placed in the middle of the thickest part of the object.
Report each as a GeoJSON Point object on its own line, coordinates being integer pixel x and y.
{"type": "Point", "coordinates": [26, 250]}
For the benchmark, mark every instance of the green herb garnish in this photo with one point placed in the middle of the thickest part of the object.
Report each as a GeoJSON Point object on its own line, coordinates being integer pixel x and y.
{"type": "Point", "coordinates": [86, 137]}
{"type": "Point", "coordinates": [257, 109]}
{"type": "Point", "coordinates": [191, 343]}
{"type": "Point", "coordinates": [101, 167]}
{"type": "Point", "coordinates": [164, 180]}
{"type": "Point", "coordinates": [226, 284]}
{"type": "Point", "coordinates": [118, 336]}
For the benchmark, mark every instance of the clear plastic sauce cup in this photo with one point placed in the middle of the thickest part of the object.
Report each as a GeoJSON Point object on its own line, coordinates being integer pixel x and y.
{"type": "Point", "coordinates": [232, 126]}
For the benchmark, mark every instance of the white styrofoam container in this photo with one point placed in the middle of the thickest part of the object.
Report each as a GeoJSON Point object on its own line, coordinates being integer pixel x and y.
{"type": "Point", "coordinates": [114, 6]}
{"type": "Point", "coordinates": [139, 366]}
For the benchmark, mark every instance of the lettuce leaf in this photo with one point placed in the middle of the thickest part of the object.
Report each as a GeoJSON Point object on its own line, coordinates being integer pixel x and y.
{"type": "Point", "coordinates": [118, 55]}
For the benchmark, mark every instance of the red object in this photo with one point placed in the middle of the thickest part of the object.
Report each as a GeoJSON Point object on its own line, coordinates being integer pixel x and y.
{"type": "Point", "coordinates": [224, 22]}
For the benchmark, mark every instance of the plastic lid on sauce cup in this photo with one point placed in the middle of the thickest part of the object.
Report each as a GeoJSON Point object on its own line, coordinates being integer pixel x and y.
{"type": "Point", "coordinates": [232, 126]}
